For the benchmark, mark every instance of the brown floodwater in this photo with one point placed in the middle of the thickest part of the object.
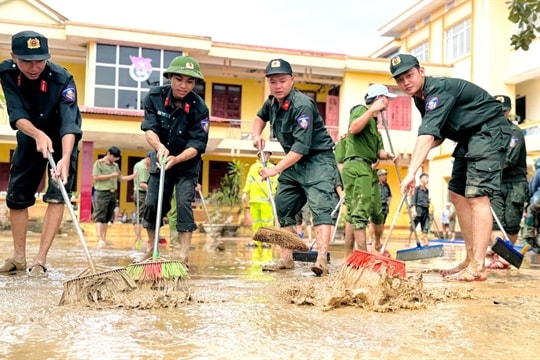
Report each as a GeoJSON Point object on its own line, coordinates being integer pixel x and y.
{"type": "Point", "coordinates": [235, 311]}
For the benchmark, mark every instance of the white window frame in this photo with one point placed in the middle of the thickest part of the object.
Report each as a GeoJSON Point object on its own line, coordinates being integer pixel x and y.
{"type": "Point", "coordinates": [421, 52]}
{"type": "Point", "coordinates": [458, 41]}
{"type": "Point", "coordinates": [140, 89]}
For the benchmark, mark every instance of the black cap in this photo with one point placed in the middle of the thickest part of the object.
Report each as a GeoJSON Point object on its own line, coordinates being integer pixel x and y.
{"type": "Point", "coordinates": [30, 45]}
{"type": "Point", "coordinates": [114, 151]}
{"type": "Point", "coordinates": [149, 154]}
{"type": "Point", "coordinates": [278, 66]}
{"type": "Point", "coordinates": [402, 63]}
{"type": "Point", "coordinates": [505, 101]}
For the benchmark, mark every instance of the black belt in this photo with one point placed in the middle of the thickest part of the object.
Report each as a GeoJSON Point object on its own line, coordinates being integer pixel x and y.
{"type": "Point", "coordinates": [358, 158]}
{"type": "Point", "coordinates": [110, 190]}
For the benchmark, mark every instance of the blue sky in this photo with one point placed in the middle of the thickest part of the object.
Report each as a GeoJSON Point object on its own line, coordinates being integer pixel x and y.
{"type": "Point", "coordinates": [338, 26]}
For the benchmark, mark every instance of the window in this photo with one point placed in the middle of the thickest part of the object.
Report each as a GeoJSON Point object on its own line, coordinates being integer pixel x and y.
{"type": "Point", "coordinates": [458, 41]}
{"type": "Point", "coordinates": [124, 74]}
{"type": "Point", "coordinates": [226, 101]}
{"type": "Point", "coordinates": [421, 52]}
{"type": "Point", "coordinates": [398, 113]}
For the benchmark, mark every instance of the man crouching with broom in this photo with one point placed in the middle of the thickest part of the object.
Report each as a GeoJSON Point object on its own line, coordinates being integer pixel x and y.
{"type": "Point", "coordinates": [176, 122]}
{"type": "Point", "coordinates": [308, 171]}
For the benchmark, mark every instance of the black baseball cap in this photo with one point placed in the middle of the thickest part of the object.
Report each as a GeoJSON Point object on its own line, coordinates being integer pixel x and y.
{"type": "Point", "coordinates": [278, 66]}
{"type": "Point", "coordinates": [30, 45]}
{"type": "Point", "coordinates": [505, 101]}
{"type": "Point", "coordinates": [402, 63]}
{"type": "Point", "coordinates": [114, 151]}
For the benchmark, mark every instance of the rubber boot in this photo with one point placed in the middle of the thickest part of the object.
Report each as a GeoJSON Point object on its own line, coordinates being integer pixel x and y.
{"type": "Point", "coordinates": [185, 243]}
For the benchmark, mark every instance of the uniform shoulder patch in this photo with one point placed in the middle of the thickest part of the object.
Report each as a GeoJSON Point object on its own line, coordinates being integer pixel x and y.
{"type": "Point", "coordinates": [303, 121]}
{"type": "Point", "coordinates": [69, 93]}
{"type": "Point", "coordinates": [205, 124]}
{"type": "Point", "coordinates": [513, 141]}
{"type": "Point", "coordinates": [432, 103]}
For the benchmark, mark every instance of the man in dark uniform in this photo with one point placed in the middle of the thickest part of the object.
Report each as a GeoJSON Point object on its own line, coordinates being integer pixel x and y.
{"type": "Point", "coordinates": [386, 193]}
{"type": "Point", "coordinates": [176, 123]}
{"type": "Point", "coordinates": [308, 172]}
{"type": "Point", "coordinates": [529, 234]}
{"type": "Point", "coordinates": [467, 114]}
{"type": "Point", "coordinates": [509, 202]}
{"type": "Point", "coordinates": [41, 100]}
{"type": "Point", "coordinates": [420, 208]}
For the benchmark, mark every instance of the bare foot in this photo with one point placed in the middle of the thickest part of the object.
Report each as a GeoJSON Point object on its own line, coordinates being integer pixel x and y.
{"type": "Point", "coordinates": [468, 274]}
{"type": "Point", "coordinates": [498, 263]}
{"type": "Point", "coordinates": [453, 270]}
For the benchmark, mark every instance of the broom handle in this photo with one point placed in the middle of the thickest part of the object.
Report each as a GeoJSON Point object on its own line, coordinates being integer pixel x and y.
{"type": "Point", "coordinates": [207, 216]}
{"type": "Point", "coordinates": [340, 209]}
{"type": "Point", "coordinates": [137, 198]}
{"type": "Point", "coordinates": [393, 223]}
{"type": "Point", "coordinates": [159, 205]}
{"type": "Point", "coordinates": [270, 195]}
{"type": "Point", "coordinates": [69, 206]}
{"type": "Point", "coordinates": [499, 223]}
{"type": "Point", "coordinates": [411, 219]}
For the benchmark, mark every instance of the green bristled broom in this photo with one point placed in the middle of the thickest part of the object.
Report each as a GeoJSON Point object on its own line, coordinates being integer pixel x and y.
{"type": "Point", "coordinates": [158, 271]}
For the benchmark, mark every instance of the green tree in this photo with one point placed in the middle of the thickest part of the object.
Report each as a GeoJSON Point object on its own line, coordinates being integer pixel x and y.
{"type": "Point", "coordinates": [524, 13]}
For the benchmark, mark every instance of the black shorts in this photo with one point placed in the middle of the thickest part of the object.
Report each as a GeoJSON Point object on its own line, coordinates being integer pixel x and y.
{"type": "Point", "coordinates": [28, 168]}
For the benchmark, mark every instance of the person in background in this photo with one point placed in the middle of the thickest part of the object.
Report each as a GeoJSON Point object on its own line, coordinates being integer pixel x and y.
{"type": "Point", "coordinates": [176, 123]}
{"type": "Point", "coordinates": [420, 209]}
{"type": "Point", "coordinates": [41, 99]}
{"type": "Point", "coordinates": [445, 220]}
{"type": "Point", "coordinates": [308, 171]}
{"type": "Point", "coordinates": [304, 223]}
{"type": "Point", "coordinates": [364, 146]}
{"type": "Point", "coordinates": [529, 234]}
{"type": "Point", "coordinates": [508, 203]}
{"type": "Point", "coordinates": [467, 114]}
{"type": "Point", "coordinates": [256, 193]}
{"type": "Point", "coordinates": [106, 175]}
{"type": "Point", "coordinates": [386, 193]}
{"type": "Point", "coordinates": [140, 187]}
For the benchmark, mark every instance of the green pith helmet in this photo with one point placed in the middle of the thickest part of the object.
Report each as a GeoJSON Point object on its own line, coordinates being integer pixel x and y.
{"type": "Point", "coordinates": [184, 65]}
{"type": "Point", "coordinates": [537, 164]}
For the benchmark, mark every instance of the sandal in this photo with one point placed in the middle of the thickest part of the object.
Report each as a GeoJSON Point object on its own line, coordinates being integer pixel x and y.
{"type": "Point", "coordinates": [279, 265]}
{"type": "Point", "coordinates": [38, 270]}
{"type": "Point", "coordinates": [319, 270]}
{"type": "Point", "coordinates": [10, 265]}
{"type": "Point", "coordinates": [467, 274]}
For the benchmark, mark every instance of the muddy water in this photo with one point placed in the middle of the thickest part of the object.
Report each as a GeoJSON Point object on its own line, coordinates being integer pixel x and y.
{"type": "Point", "coordinates": [238, 312]}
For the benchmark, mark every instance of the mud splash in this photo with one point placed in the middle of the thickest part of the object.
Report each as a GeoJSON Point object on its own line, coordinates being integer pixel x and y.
{"type": "Point", "coordinates": [366, 289]}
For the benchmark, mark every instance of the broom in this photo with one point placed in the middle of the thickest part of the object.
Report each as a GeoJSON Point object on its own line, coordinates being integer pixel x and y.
{"type": "Point", "coordinates": [379, 263]}
{"type": "Point", "coordinates": [420, 252]}
{"type": "Point", "coordinates": [156, 270]}
{"type": "Point", "coordinates": [90, 286]}
{"type": "Point", "coordinates": [276, 235]}
{"type": "Point", "coordinates": [505, 248]}
{"type": "Point", "coordinates": [218, 245]}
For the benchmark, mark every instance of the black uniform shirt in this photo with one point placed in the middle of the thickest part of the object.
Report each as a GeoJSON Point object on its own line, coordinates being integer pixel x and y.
{"type": "Point", "coordinates": [297, 124]}
{"type": "Point", "coordinates": [516, 157]}
{"type": "Point", "coordinates": [177, 128]}
{"type": "Point", "coordinates": [454, 108]}
{"type": "Point", "coordinates": [49, 102]}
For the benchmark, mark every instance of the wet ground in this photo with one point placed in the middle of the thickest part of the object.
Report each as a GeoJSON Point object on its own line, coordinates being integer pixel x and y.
{"type": "Point", "coordinates": [236, 311]}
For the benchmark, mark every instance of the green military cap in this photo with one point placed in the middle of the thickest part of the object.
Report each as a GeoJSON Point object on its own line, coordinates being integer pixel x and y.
{"type": "Point", "coordinates": [505, 101]}
{"type": "Point", "coordinates": [184, 65]}
{"type": "Point", "coordinates": [402, 63]}
{"type": "Point", "coordinates": [278, 66]}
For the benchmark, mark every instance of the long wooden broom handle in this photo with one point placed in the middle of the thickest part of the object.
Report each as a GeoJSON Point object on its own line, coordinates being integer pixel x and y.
{"type": "Point", "coordinates": [411, 219]}
{"type": "Point", "coordinates": [270, 195]}
{"type": "Point", "coordinates": [74, 219]}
